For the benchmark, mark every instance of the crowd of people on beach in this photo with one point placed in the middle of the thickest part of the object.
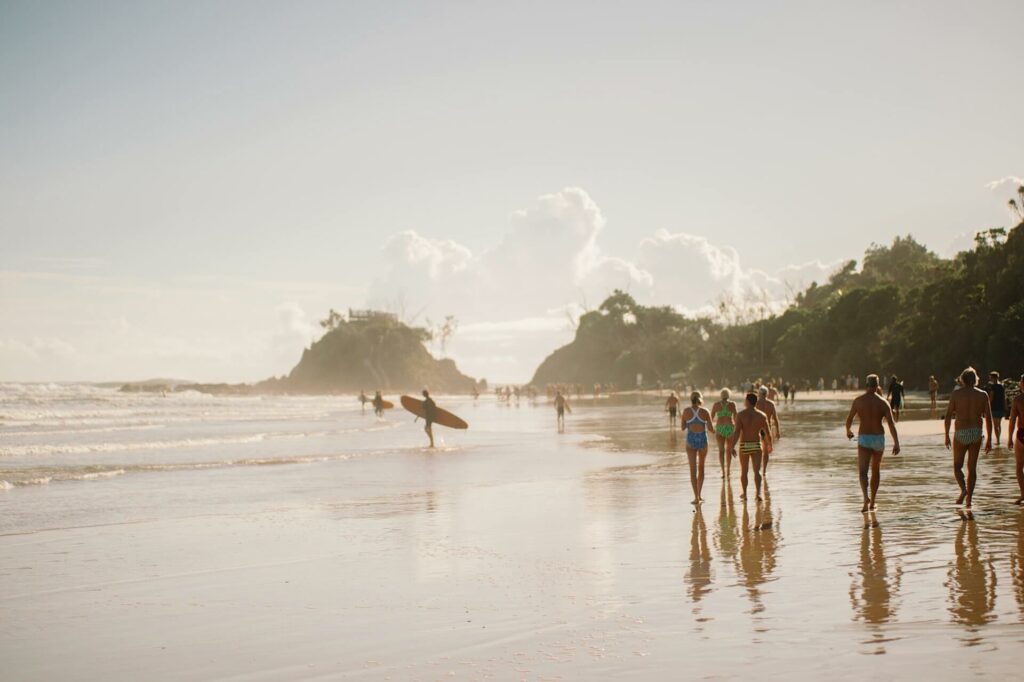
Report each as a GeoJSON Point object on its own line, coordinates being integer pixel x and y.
{"type": "Point", "coordinates": [751, 433]}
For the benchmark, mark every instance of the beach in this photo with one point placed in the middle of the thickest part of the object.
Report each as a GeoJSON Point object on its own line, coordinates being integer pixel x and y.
{"type": "Point", "coordinates": [279, 538]}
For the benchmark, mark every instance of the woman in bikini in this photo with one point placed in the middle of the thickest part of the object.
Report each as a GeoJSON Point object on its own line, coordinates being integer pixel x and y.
{"type": "Point", "coordinates": [695, 422]}
{"type": "Point", "coordinates": [725, 424]}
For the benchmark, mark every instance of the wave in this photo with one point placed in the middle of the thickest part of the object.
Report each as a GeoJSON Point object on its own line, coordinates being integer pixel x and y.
{"type": "Point", "coordinates": [13, 478]}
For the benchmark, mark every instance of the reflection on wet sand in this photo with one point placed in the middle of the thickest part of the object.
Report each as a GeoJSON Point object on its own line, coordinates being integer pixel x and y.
{"type": "Point", "coordinates": [1017, 565]}
{"type": "Point", "coordinates": [758, 547]}
{"type": "Point", "coordinates": [698, 577]}
{"type": "Point", "coordinates": [874, 589]}
{"type": "Point", "coordinates": [972, 581]}
{"type": "Point", "coordinates": [727, 536]}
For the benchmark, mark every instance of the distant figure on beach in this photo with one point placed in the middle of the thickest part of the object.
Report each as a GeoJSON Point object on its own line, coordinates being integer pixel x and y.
{"type": "Point", "coordinates": [695, 422]}
{"type": "Point", "coordinates": [767, 405]}
{"type": "Point", "coordinates": [429, 415]}
{"type": "Point", "coordinates": [835, 385]}
{"type": "Point", "coordinates": [378, 404]}
{"type": "Point", "coordinates": [1017, 431]}
{"type": "Point", "coordinates": [895, 396]}
{"type": "Point", "coordinates": [751, 423]}
{"type": "Point", "coordinates": [870, 408]}
{"type": "Point", "coordinates": [561, 405]}
{"type": "Point", "coordinates": [968, 404]}
{"type": "Point", "coordinates": [725, 425]}
{"type": "Point", "coordinates": [997, 399]}
{"type": "Point", "coordinates": [363, 399]}
{"type": "Point", "coordinates": [933, 391]}
{"type": "Point", "coordinates": [672, 407]}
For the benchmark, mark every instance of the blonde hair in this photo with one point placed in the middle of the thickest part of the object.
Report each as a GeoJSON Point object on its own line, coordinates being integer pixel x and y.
{"type": "Point", "coordinates": [696, 398]}
{"type": "Point", "coordinates": [725, 393]}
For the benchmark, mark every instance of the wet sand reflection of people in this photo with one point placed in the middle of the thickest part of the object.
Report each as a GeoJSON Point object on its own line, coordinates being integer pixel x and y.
{"type": "Point", "coordinates": [971, 580]}
{"type": "Point", "coordinates": [727, 537]}
{"type": "Point", "coordinates": [1017, 565]}
{"type": "Point", "coordinates": [757, 551]}
{"type": "Point", "coordinates": [873, 591]}
{"type": "Point", "coordinates": [698, 577]}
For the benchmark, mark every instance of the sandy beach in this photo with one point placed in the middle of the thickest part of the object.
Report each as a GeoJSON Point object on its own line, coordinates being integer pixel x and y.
{"type": "Point", "coordinates": [344, 549]}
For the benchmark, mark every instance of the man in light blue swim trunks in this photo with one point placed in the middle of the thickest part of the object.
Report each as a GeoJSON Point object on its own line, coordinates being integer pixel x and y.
{"type": "Point", "coordinates": [871, 408]}
{"type": "Point", "coordinates": [968, 405]}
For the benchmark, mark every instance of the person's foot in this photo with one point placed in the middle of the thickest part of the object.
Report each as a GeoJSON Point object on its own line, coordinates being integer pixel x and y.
{"type": "Point", "coordinates": [759, 498]}
{"type": "Point", "coordinates": [967, 504]}
{"type": "Point", "coordinates": [1020, 500]}
{"type": "Point", "coordinates": [960, 500]}
{"type": "Point", "coordinates": [695, 502]}
{"type": "Point", "coordinates": [864, 509]}
{"type": "Point", "coordinates": [872, 505]}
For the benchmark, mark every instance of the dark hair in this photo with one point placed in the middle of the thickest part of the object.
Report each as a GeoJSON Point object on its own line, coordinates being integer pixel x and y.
{"type": "Point", "coordinates": [426, 393]}
{"type": "Point", "coordinates": [752, 399]}
{"type": "Point", "coordinates": [969, 377]}
{"type": "Point", "coordinates": [872, 381]}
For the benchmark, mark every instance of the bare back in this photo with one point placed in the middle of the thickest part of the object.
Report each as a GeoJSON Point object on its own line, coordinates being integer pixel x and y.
{"type": "Point", "coordinates": [968, 405]}
{"type": "Point", "coordinates": [871, 409]}
{"type": "Point", "coordinates": [750, 423]}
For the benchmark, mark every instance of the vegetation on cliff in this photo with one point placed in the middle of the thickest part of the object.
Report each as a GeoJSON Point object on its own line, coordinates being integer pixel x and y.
{"type": "Point", "coordinates": [374, 351]}
{"type": "Point", "coordinates": [905, 311]}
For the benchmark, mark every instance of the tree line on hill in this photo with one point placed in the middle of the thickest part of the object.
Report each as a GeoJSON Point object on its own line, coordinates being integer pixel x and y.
{"type": "Point", "coordinates": [905, 311]}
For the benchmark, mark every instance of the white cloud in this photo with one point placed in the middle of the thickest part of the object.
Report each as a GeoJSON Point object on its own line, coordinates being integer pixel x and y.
{"type": "Point", "coordinates": [1011, 180]}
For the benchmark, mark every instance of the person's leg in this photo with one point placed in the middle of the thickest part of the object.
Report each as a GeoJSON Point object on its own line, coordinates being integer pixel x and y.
{"type": "Point", "coordinates": [756, 456]}
{"type": "Point", "coordinates": [430, 433]}
{"type": "Point", "coordinates": [973, 450]}
{"type": "Point", "coordinates": [997, 423]}
{"type": "Point", "coordinates": [876, 475]}
{"type": "Point", "coordinates": [701, 457]}
{"type": "Point", "coordinates": [744, 464]}
{"type": "Point", "coordinates": [691, 455]}
{"type": "Point", "coordinates": [1018, 457]}
{"type": "Point", "coordinates": [959, 451]}
{"type": "Point", "coordinates": [863, 460]}
{"type": "Point", "coordinates": [721, 451]}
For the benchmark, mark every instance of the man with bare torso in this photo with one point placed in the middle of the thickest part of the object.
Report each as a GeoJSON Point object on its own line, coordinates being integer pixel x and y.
{"type": "Point", "coordinates": [968, 405]}
{"type": "Point", "coordinates": [1017, 431]}
{"type": "Point", "coordinates": [870, 408]}
{"type": "Point", "coordinates": [767, 405]}
{"type": "Point", "coordinates": [751, 424]}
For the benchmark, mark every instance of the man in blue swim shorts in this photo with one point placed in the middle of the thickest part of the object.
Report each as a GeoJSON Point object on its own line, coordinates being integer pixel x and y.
{"type": "Point", "coordinates": [871, 408]}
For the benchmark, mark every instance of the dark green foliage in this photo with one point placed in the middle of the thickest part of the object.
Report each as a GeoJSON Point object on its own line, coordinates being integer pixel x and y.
{"type": "Point", "coordinates": [378, 353]}
{"type": "Point", "coordinates": [906, 312]}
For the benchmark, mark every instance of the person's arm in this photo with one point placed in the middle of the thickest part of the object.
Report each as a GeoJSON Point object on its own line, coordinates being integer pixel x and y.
{"type": "Point", "coordinates": [892, 430]}
{"type": "Point", "coordinates": [988, 425]}
{"type": "Point", "coordinates": [737, 432]}
{"type": "Point", "coordinates": [947, 420]}
{"type": "Point", "coordinates": [849, 421]}
{"type": "Point", "coordinates": [778, 427]}
{"type": "Point", "coordinates": [769, 443]}
{"type": "Point", "coordinates": [1014, 415]}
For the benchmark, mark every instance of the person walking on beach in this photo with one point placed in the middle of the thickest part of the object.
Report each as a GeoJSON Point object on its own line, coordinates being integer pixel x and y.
{"type": "Point", "coordinates": [997, 399]}
{"type": "Point", "coordinates": [429, 415]}
{"type": "Point", "coordinates": [933, 391]}
{"type": "Point", "coordinates": [672, 407]}
{"type": "Point", "coordinates": [695, 422]}
{"type": "Point", "coordinates": [895, 396]}
{"type": "Point", "coordinates": [725, 424]}
{"type": "Point", "coordinates": [1016, 430]}
{"type": "Point", "coordinates": [767, 405]}
{"type": "Point", "coordinates": [871, 409]}
{"type": "Point", "coordinates": [751, 425]}
{"type": "Point", "coordinates": [968, 405]}
{"type": "Point", "coordinates": [561, 405]}
{"type": "Point", "coordinates": [363, 399]}
{"type": "Point", "coordinates": [378, 404]}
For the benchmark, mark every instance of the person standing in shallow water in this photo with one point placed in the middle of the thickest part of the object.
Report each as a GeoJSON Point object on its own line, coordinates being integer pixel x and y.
{"type": "Point", "coordinates": [933, 391]}
{"type": "Point", "coordinates": [871, 409]}
{"type": "Point", "coordinates": [378, 404]}
{"type": "Point", "coordinates": [767, 405]}
{"type": "Point", "coordinates": [895, 396]}
{"type": "Point", "coordinates": [672, 407]}
{"type": "Point", "coordinates": [968, 405]}
{"type": "Point", "coordinates": [429, 415]}
{"type": "Point", "coordinates": [561, 404]}
{"type": "Point", "coordinates": [1016, 430]}
{"type": "Point", "coordinates": [997, 399]}
{"type": "Point", "coordinates": [725, 424]}
{"type": "Point", "coordinates": [751, 425]}
{"type": "Point", "coordinates": [695, 422]}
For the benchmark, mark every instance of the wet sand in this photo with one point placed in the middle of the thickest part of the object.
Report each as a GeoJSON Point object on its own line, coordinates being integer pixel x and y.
{"type": "Point", "coordinates": [515, 552]}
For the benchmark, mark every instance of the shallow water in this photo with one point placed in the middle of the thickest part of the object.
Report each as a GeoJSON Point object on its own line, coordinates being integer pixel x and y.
{"type": "Point", "coordinates": [299, 537]}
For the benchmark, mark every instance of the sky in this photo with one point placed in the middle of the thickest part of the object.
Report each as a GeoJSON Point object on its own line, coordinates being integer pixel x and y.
{"type": "Point", "coordinates": [187, 187]}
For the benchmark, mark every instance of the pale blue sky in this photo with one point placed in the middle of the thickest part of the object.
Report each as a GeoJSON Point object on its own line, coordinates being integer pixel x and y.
{"type": "Point", "coordinates": [152, 143]}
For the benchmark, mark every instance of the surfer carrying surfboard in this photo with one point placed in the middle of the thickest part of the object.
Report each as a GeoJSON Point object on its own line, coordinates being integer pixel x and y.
{"type": "Point", "coordinates": [429, 415]}
{"type": "Point", "coordinates": [378, 404]}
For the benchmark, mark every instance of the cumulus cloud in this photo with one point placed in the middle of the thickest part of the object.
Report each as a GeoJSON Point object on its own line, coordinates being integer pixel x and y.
{"type": "Point", "coordinates": [521, 295]}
